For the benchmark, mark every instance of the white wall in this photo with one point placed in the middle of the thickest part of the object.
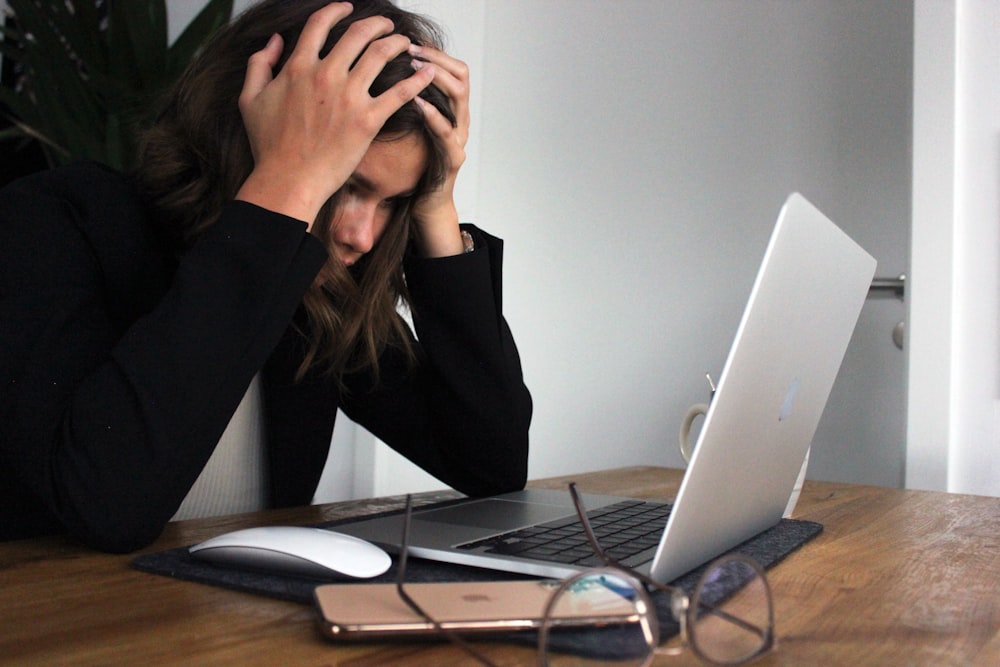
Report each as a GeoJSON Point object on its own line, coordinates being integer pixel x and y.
{"type": "Point", "coordinates": [954, 423]}
{"type": "Point", "coordinates": [635, 160]}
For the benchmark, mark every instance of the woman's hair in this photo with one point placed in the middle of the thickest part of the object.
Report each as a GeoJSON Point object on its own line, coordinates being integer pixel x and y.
{"type": "Point", "coordinates": [197, 155]}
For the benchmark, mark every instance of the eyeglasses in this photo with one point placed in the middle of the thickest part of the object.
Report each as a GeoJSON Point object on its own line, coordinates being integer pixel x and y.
{"type": "Point", "coordinates": [727, 620]}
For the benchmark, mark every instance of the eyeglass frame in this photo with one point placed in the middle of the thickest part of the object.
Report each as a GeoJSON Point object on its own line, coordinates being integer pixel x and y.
{"type": "Point", "coordinates": [680, 601]}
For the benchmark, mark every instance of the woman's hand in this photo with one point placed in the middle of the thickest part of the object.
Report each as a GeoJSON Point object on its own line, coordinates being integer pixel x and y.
{"type": "Point", "coordinates": [436, 217]}
{"type": "Point", "coordinates": [311, 125]}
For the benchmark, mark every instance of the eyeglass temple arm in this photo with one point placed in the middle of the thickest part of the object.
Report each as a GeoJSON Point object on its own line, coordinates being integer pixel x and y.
{"type": "Point", "coordinates": [581, 513]}
{"type": "Point", "coordinates": [404, 548]}
{"type": "Point", "coordinates": [404, 543]}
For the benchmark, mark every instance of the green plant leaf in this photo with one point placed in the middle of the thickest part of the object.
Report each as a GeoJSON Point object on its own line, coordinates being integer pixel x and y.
{"type": "Point", "coordinates": [138, 32]}
{"type": "Point", "coordinates": [18, 105]}
{"type": "Point", "coordinates": [13, 133]}
{"type": "Point", "coordinates": [80, 27]}
{"type": "Point", "coordinates": [45, 50]}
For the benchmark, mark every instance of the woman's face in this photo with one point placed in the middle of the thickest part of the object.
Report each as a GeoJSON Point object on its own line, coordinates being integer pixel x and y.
{"type": "Point", "coordinates": [388, 173]}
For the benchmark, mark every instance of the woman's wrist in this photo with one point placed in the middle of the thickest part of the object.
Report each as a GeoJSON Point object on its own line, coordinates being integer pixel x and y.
{"type": "Point", "coordinates": [440, 238]}
{"type": "Point", "coordinates": [289, 198]}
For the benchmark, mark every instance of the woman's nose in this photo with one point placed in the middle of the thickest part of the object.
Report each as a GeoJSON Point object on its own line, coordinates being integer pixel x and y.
{"type": "Point", "coordinates": [357, 229]}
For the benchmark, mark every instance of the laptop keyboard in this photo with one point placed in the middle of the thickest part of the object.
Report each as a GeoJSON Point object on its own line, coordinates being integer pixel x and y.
{"type": "Point", "coordinates": [629, 531]}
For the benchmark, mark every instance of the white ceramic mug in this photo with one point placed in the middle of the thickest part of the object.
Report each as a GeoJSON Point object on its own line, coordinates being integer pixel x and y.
{"type": "Point", "coordinates": [685, 445]}
{"type": "Point", "coordinates": [797, 489]}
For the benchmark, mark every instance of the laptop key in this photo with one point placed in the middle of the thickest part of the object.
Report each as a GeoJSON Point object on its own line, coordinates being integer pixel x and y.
{"type": "Point", "coordinates": [638, 559]}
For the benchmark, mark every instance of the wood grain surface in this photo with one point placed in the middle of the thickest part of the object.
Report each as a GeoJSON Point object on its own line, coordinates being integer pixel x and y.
{"type": "Point", "coordinates": [897, 577]}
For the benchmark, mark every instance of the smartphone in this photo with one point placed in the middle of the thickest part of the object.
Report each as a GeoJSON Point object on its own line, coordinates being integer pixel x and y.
{"type": "Point", "coordinates": [372, 611]}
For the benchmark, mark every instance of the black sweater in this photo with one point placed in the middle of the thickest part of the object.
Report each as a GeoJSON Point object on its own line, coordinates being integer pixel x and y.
{"type": "Point", "coordinates": [120, 365]}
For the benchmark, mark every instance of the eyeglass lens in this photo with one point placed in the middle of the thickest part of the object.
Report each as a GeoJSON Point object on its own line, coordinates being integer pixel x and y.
{"type": "Point", "coordinates": [728, 619]}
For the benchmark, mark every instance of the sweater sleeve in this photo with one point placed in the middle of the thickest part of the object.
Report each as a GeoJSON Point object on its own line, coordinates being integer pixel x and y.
{"type": "Point", "coordinates": [462, 414]}
{"type": "Point", "coordinates": [107, 419]}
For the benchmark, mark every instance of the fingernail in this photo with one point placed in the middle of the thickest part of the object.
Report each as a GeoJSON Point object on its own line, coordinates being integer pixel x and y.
{"type": "Point", "coordinates": [414, 49]}
{"type": "Point", "coordinates": [417, 64]}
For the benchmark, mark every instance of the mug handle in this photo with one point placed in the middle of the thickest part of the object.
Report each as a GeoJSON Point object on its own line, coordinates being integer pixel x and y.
{"type": "Point", "coordinates": [684, 435]}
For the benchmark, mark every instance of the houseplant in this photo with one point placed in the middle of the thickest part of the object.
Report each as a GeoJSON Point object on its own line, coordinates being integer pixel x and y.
{"type": "Point", "coordinates": [88, 73]}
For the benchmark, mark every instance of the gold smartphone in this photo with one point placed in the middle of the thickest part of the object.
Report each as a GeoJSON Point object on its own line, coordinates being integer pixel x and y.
{"type": "Point", "coordinates": [371, 611]}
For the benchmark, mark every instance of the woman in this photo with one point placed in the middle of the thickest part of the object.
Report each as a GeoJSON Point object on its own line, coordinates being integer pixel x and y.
{"type": "Point", "coordinates": [296, 189]}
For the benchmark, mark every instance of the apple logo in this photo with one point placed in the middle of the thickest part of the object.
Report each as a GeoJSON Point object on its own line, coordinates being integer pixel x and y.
{"type": "Point", "coordinates": [786, 405]}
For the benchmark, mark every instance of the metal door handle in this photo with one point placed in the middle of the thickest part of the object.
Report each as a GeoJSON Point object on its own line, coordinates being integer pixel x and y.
{"type": "Point", "coordinates": [895, 285]}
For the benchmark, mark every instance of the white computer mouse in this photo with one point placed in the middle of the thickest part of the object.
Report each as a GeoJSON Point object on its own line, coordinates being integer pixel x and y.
{"type": "Point", "coordinates": [295, 550]}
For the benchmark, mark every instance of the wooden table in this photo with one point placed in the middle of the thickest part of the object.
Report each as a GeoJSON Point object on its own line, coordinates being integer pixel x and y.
{"type": "Point", "coordinates": [897, 577]}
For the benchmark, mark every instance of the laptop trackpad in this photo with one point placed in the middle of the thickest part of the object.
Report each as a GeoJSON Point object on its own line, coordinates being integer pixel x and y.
{"type": "Point", "coordinates": [494, 514]}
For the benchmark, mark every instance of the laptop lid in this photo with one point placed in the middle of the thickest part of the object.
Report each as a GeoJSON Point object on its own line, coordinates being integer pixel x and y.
{"type": "Point", "coordinates": [787, 351]}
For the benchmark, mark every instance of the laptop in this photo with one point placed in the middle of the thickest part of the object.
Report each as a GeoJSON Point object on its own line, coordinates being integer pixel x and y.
{"type": "Point", "coordinates": [787, 351]}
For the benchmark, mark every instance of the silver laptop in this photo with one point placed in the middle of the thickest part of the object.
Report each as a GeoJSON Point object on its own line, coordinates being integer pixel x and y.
{"type": "Point", "coordinates": [772, 391]}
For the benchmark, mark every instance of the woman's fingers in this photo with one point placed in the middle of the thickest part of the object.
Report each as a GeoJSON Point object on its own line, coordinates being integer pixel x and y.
{"type": "Point", "coordinates": [452, 77]}
{"type": "Point", "coordinates": [317, 29]}
{"type": "Point", "coordinates": [310, 124]}
{"type": "Point", "coordinates": [260, 68]}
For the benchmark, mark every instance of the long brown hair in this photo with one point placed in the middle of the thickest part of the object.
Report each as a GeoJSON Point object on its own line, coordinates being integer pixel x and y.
{"type": "Point", "coordinates": [197, 155]}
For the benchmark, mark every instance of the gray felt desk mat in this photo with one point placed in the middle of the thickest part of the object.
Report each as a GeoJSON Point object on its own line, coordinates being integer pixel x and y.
{"type": "Point", "coordinates": [768, 548]}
